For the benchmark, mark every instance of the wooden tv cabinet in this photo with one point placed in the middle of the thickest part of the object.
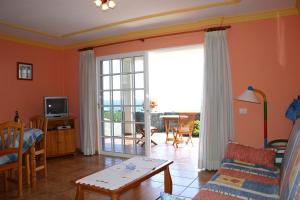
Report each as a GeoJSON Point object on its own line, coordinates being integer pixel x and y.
{"type": "Point", "coordinates": [60, 141]}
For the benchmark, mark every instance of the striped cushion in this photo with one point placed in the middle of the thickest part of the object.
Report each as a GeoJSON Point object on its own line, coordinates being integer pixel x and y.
{"type": "Point", "coordinates": [242, 181]}
{"type": "Point", "coordinates": [290, 178]}
{"type": "Point", "coordinates": [247, 154]}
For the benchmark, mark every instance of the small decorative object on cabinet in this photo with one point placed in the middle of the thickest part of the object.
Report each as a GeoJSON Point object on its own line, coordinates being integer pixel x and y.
{"type": "Point", "coordinates": [17, 117]}
{"type": "Point", "coordinates": [61, 136]}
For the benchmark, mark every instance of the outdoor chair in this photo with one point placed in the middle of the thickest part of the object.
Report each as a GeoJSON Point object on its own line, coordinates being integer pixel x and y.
{"type": "Point", "coordinates": [185, 126]}
{"type": "Point", "coordinates": [141, 130]}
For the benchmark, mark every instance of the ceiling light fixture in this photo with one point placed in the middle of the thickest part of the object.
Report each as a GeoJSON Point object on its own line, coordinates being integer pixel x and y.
{"type": "Point", "coordinates": [105, 4]}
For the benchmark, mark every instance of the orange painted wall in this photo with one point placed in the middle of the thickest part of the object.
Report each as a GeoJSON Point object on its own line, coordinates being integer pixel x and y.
{"type": "Point", "coordinates": [27, 96]}
{"type": "Point", "coordinates": [263, 53]}
{"type": "Point", "coordinates": [71, 82]}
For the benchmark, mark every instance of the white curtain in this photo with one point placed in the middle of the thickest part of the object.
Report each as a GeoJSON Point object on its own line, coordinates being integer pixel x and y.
{"type": "Point", "coordinates": [88, 102]}
{"type": "Point", "coordinates": [217, 113]}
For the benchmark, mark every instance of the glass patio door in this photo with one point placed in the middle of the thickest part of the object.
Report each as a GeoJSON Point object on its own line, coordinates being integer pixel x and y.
{"type": "Point", "coordinates": [124, 111]}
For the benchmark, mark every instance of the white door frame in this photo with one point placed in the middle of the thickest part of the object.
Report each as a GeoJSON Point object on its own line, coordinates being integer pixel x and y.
{"type": "Point", "coordinates": [146, 101]}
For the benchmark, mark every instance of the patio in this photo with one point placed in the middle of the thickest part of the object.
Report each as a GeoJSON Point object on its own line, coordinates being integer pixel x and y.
{"type": "Point", "coordinates": [185, 156]}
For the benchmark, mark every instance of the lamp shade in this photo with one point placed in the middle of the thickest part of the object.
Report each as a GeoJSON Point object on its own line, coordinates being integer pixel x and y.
{"type": "Point", "coordinates": [249, 96]}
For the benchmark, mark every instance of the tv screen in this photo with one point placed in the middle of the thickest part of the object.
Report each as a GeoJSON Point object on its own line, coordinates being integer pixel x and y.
{"type": "Point", "coordinates": [56, 106]}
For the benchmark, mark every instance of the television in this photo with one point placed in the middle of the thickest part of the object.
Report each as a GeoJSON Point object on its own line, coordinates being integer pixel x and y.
{"type": "Point", "coordinates": [56, 106]}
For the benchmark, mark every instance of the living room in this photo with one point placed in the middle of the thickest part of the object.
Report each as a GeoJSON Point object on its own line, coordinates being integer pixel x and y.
{"type": "Point", "coordinates": [263, 44]}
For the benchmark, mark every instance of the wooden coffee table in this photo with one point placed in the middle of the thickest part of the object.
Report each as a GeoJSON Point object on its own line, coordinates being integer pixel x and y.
{"type": "Point", "coordinates": [105, 181]}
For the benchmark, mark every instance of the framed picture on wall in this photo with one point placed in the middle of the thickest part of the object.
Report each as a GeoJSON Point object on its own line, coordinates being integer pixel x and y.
{"type": "Point", "coordinates": [24, 71]}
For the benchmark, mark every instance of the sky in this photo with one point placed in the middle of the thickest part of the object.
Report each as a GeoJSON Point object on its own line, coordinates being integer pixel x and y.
{"type": "Point", "coordinates": [176, 78]}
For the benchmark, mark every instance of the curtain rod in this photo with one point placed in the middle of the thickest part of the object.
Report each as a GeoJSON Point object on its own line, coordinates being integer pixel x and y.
{"type": "Point", "coordinates": [86, 48]}
{"type": "Point", "coordinates": [211, 29]}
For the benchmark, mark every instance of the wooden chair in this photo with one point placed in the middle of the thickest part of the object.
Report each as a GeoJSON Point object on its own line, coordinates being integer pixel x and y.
{"type": "Point", "coordinates": [185, 126]}
{"type": "Point", "coordinates": [142, 132]}
{"type": "Point", "coordinates": [11, 142]}
{"type": "Point", "coordinates": [140, 129]}
{"type": "Point", "coordinates": [38, 122]}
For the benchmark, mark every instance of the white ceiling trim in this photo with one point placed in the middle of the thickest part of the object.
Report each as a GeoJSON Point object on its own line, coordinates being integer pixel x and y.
{"type": "Point", "coordinates": [121, 22]}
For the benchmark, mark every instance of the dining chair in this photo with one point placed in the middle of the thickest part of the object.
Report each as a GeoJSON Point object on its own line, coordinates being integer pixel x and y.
{"type": "Point", "coordinates": [185, 126]}
{"type": "Point", "coordinates": [38, 122]}
{"type": "Point", "coordinates": [11, 145]}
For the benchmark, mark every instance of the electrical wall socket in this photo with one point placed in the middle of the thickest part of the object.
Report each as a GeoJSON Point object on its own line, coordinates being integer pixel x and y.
{"type": "Point", "coordinates": [243, 111]}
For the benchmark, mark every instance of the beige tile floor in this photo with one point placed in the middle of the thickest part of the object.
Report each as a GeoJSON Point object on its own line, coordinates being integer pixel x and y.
{"type": "Point", "coordinates": [62, 172]}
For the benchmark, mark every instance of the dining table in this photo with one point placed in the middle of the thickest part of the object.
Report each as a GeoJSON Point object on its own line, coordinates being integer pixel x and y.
{"type": "Point", "coordinates": [167, 119]}
{"type": "Point", "coordinates": [31, 136]}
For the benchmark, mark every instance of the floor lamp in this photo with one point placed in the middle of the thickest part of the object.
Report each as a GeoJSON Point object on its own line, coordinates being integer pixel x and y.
{"type": "Point", "coordinates": [250, 96]}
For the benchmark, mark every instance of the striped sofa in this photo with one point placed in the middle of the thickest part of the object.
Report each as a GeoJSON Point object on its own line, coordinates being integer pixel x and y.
{"type": "Point", "coordinates": [237, 180]}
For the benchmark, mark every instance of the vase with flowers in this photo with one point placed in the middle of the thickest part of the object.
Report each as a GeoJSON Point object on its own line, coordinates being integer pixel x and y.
{"type": "Point", "coordinates": [153, 104]}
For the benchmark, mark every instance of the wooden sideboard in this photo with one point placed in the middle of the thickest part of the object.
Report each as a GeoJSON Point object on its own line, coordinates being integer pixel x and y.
{"type": "Point", "coordinates": [61, 141]}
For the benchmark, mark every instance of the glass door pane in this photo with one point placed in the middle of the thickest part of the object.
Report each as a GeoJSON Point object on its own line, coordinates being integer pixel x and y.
{"type": "Point", "coordinates": [122, 97]}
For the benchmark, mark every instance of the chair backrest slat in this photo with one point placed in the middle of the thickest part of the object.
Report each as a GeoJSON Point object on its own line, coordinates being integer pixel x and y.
{"type": "Point", "coordinates": [14, 138]}
{"type": "Point", "coordinates": [9, 133]}
{"type": "Point", "coordinates": [2, 139]}
{"type": "Point", "coordinates": [39, 122]}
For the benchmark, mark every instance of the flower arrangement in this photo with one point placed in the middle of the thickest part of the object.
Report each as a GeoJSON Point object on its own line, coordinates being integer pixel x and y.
{"type": "Point", "coordinates": [153, 104]}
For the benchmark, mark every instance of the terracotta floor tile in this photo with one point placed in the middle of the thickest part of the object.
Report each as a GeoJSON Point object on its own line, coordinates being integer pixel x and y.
{"type": "Point", "coordinates": [64, 171]}
{"type": "Point", "coordinates": [158, 178]}
{"type": "Point", "coordinates": [184, 174]}
{"type": "Point", "coordinates": [182, 181]}
{"type": "Point", "coordinates": [177, 190]}
{"type": "Point", "coordinates": [190, 192]}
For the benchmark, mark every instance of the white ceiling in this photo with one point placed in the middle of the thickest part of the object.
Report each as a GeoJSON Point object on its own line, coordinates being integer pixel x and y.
{"type": "Point", "coordinates": [57, 21]}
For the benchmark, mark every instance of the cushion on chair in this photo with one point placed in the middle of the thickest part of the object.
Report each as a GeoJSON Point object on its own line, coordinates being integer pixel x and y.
{"type": "Point", "coordinates": [250, 155]}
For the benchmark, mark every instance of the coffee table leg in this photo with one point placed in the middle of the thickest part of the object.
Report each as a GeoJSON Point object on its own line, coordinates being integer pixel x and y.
{"type": "Point", "coordinates": [168, 181]}
{"type": "Point", "coordinates": [79, 193]}
{"type": "Point", "coordinates": [115, 197]}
